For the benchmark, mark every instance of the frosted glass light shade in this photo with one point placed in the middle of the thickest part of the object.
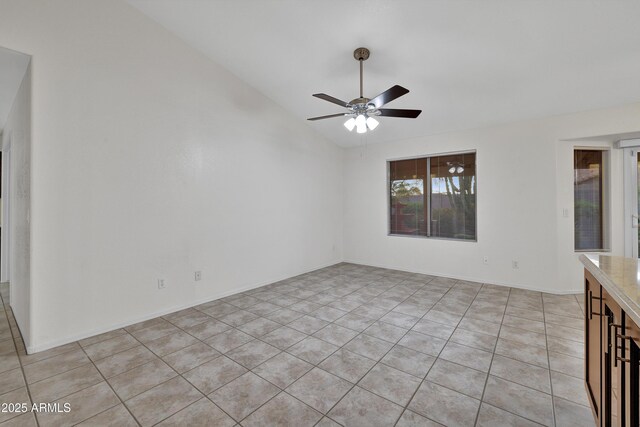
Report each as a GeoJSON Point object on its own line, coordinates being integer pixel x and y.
{"type": "Point", "coordinates": [372, 123]}
{"type": "Point", "coordinates": [350, 124]}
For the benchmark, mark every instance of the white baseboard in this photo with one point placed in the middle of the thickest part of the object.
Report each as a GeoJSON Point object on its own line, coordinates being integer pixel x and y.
{"type": "Point", "coordinates": [471, 279]}
{"type": "Point", "coordinates": [73, 338]}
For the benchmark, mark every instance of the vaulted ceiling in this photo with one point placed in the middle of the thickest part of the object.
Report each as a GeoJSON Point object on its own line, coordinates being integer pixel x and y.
{"type": "Point", "coordinates": [467, 63]}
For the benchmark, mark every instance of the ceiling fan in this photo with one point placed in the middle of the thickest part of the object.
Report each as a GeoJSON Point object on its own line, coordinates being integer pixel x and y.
{"type": "Point", "coordinates": [363, 110]}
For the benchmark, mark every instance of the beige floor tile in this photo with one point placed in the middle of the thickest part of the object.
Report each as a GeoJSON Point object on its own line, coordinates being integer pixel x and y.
{"type": "Point", "coordinates": [335, 334]}
{"type": "Point", "coordinates": [390, 383]}
{"type": "Point", "coordinates": [523, 352]}
{"type": "Point", "coordinates": [283, 410]}
{"type": "Point", "coordinates": [19, 396]}
{"type": "Point", "coordinates": [212, 375]}
{"type": "Point", "coordinates": [84, 404]}
{"type": "Point", "coordinates": [308, 324]}
{"type": "Point", "coordinates": [244, 395]}
{"type": "Point", "coordinates": [201, 413]}
{"type": "Point", "coordinates": [368, 346]}
{"type": "Point", "coordinates": [259, 327]}
{"type": "Point", "coordinates": [385, 331]}
{"type": "Point", "coordinates": [423, 343]}
{"type": "Point", "coordinates": [283, 369]}
{"type": "Point", "coordinates": [355, 322]}
{"type": "Point", "coordinates": [467, 356]}
{"type": "Point", "coordinates": [347, 365]}
{"type": "Point", "coordinates": [189, 320]}
{"type": "Point", "coordinates": [490, 416]}
{"type": "Point", "coordinates": [457, 377]}
{"type": "Point", "coordinates": [207, 329]}
{"type": "Point", "coordinates": [110, 347]}
{"type": "Point", "coordinates": [118, 416]}
{"type": "Point", "coordinates": [283, 337]}
{"type": "Point", "coordinates": [171, 343]}
{"type": "Point", "coordinates": [474, 339]}
{"type": "Point", "coordinates": [55, 365]}
{"type": "Point", "coordinates": [362, 408]}
{"type": "Point", "coordinates": [410, 361]}
{"type": "Point", "coordinates": [313, 350]}
{"type": "Point", "coordinates": [568, 365]}
{"type": "Point", "coordinates": [399, 319]}
{"type": "Point", "coordinates": [569, 388]}
{"type": "Point", "coordinates": [319, 389]}
{"type": "Point", "coordinates": [140, 379]}
{"type": "Point", "coordinates": [569, 414]}
{"type": "Point", "coordinates": [190, 357]}
{"type": "Point", "coordinates": [523, 336]}
{"type": "Point", "coordinates": [124, 361]}
{"type": "Point", "coordinates": [520, 400]}
{"type": "Point", "coordinates": [42, 355]}
{"type": "Point", "coordinates": [444, 405]}
{"type": "Point", "coordinates": [154, 332]}
{"type": "Point", "coordinates": [102, 337]}
{"type": "Point", "coordinates": [253, 353]}
{"type": "Point", "coordinates": [434, 329]}
{"type": "Point", "coordinates": [568, 347]}
{"type": "Point", "coordinates": [521, 373]}
{"type": "Point", "coordinates": [64, 384]}
{"type": "Point", "coordinates": [526, 324]}
{"type": "Point", "coordinates": [162, 401]}
{"type": "Point", "coordinates": [9, 361]}
{"type": "Point", "coordinates": [11, 380]}
{"type": "Point", "coordinates": [411, 419]}
{"type": "Point", "coordinates": [228, 340]}
{"type": "Point", "coordinates": [25, 420]}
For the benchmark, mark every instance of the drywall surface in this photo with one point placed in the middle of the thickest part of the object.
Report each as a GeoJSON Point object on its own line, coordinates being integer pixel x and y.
{"type": "Point", "coordinates": [524, 181]}
{"type": "Point", "coordinates": [16, 145]}
{"type": "Point", "coordinates": [151, 162]}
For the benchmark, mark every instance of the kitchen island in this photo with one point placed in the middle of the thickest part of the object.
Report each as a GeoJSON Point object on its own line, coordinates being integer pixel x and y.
{"type": "Point", "coordinates": [612, 338]}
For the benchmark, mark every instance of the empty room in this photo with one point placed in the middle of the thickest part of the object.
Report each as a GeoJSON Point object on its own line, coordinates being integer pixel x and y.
{"type": "Point", "coordinates": [320, 213]}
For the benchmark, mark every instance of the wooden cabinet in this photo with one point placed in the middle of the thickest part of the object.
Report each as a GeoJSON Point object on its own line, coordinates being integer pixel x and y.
{"type": "Point", "coordinates": [612, 359]}
{"type": "Point", "coordinates": [612, 326]}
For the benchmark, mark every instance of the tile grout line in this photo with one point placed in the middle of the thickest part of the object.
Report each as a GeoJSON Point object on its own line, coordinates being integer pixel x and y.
{"type": "Point", "coordinates": [546, 340]}
{"type": "Point", "coordinates": [24, 377]}
{"type": "Point", "coordinates": [493, 353]}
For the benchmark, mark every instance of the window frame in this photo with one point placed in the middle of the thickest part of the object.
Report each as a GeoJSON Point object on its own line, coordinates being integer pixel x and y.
{"type": "Point", "coordinates": [605, 195]}
{"type": "Point", "coordinates": [427, 158]}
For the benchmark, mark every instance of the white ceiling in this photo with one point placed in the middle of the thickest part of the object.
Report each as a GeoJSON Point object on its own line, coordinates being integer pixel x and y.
{"type": "Point", "coordinates": [467, 63]}
{"type": "Point", "coordinates": [12, 68]}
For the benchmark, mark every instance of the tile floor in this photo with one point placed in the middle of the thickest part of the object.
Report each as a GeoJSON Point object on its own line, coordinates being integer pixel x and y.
{"type": "Point", "coordinates": [346, 345]}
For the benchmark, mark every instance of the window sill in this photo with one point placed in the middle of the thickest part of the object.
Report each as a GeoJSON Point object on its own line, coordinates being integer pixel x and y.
{"type": "Point", "coordinates": [416, 236]}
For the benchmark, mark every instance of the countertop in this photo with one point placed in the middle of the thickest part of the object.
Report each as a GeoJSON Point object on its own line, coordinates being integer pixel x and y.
{"type": "Point", "coordinates": [620, 277]}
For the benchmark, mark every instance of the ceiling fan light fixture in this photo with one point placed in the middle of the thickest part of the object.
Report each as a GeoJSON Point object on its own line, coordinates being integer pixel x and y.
{"type": "Point", "coordinates": [459, 169]}
{"type": "Point", "coordinates": [372, 123]}
{"type": "Point", "coordinates": [350, 124]}
{"type": "Point", "coordinates": [452, 169]}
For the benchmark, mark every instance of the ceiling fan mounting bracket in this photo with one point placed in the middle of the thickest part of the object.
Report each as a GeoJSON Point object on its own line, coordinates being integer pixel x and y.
{"type": "Point", "coordinates": [361, 54]}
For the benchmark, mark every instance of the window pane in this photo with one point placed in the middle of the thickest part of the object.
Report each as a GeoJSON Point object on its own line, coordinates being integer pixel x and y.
{"type": "Point", "coordinates": [407, 178]}
{"type": "Point", "coordinates": [453, 196]}
{"type": "Point", "coordinates": [588, 199]}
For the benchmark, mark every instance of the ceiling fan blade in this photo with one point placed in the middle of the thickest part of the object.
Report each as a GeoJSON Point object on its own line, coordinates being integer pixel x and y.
{"type": "Point", "coordinates": [328, 117]}
{"type": "Point", "coordinates": [391, 112]}
{"type": "Point", "coordinates": [388, 96]}
{"type": "Point", "coordinates": [331, 99]}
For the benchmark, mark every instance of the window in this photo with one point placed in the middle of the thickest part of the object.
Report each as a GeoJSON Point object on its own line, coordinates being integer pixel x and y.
{"type": "Point", "coordinates": [433, 196]}
{"type": "Point", "coordinates": [588, 205]}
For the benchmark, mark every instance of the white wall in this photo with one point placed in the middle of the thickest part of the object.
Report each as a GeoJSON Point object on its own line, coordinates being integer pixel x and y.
{"type": "Point", "coordinates": [16, 145]}
{"type": "Point", "coordinates": [150, 161]}
{"type": "Point", "coordinates": [525, 179]}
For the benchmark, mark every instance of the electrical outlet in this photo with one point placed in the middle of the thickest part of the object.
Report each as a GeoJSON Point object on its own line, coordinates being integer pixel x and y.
{"type": "Point", "coordinates": [565, 213]}
{"type": "Point", "coordinates": [161, 284]}
{"type": "Point", "coordinates": [485, 260]}
{"type": "Point", "coordinates": [197, 276]}
{"type": "Point", "coordinates": [515, 264]}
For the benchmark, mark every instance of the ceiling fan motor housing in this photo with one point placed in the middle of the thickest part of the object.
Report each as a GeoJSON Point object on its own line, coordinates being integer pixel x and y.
{"type": "Point", "coordinates": [361, 54]}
